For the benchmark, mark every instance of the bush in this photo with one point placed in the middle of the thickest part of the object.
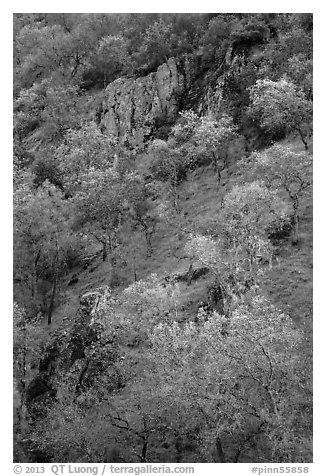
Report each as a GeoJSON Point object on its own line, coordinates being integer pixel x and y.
{"type": "Point", "coordinates": [250, 32]}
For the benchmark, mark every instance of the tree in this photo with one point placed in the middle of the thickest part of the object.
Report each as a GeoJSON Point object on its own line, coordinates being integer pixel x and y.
{"type": "Point", "coordinates": [206, 136]}
{"type": "Point", "coordinates": [58, 50]}
{"type": "Point", "coordinates": [292, 44]}
{"type": "Point", "coordinates": [167, 165]}
{"type": "Point", "coordinates": [286, 169]}
{"type": "Point", "coordinates": [246, 33]}
{"type": "Point", "coordinates": [241, 240]}
{"type": "Point", "coordinates": [156, 45]}
{"type": "Point", "coordinates": [248, 214]}
{"type": "Point", "coordinates": [244, 389]}
{"type": "Point", "coordinates": [99, 207]}
{"type": "Point", "coordinates": [141, 206]}
{"type": "Point", "coordinates": [152, 300]}
{"type": "Point", "coordinates": [281, 104]}
{"type": "Point", "coordinates": [213, 137]}
{"type": "Point", "coordinates": [110, 60]}
{"type": "Point", "coordinates": [45, 112]}
{"type": "Point", "coordinates": [83, 149]}
{"type": "Point", "coordinates": [215, 40]}
{"type": "Point", "coordinates": [43, 237]}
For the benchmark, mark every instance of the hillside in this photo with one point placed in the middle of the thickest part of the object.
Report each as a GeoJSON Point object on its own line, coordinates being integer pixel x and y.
{"type": "Point", "coordinates": [163, 237]}
{"type": "Point", "coordinates": [288, 282]}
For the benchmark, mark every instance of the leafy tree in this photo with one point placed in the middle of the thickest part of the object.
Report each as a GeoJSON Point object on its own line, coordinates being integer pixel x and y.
{"type": "Point", "coordinates": [40, 50]}
{"type": "Point", "coordinates": [141, 206]}
{"type": "Point", "coordinates": [299, 69]}
{"type": "Point", "coordinates": [99, 207]}
{"type": "Point", "coordinates": [281, 104]}
{"type": "Point", "coordinates": [44, 112]}
{"type": "Point", "coordinates": [45, 167]}
{"type": "Point", "coordinates": [206, 136]}
{"type": "Point", "coordinates": [61, 51]}
{"type": "Point", "coordinates": [248, 213]}
{"type": "Point", "coordinates": [286, 169]}
{"type": "Point", "coordinates": [82, 150]}
{"type": "Point", "coordinates": [156, 45]}
{"type": "Point", "coordinates": [110, 60]}
{"type": "Point", "coordinates": [214, 42]}
{"type": "Point", "coordinates": [167, 165]}
{"type": "Point", "coordinates": [248, 32]}
{"type": "Point", "coordinates": [241, 239]}
{"type": "Point", "coordinates": [244, 390]}
{"type": "Point", "coordinates": [213, 137]}
{"type": "Point", "coordinates": [184, 129]}
{"type": "Point", "coordinates": [152, 300]}
{"type": "Point", "coordinates": [43, 238]}
{"type": "Point", "coordinates": [292, 41]}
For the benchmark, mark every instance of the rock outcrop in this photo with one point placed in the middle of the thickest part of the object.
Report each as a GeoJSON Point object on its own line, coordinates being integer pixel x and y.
{"type": "Point", "coordinates": [133, 108]}
{"type": "Point", "coordinates": [78, 352]}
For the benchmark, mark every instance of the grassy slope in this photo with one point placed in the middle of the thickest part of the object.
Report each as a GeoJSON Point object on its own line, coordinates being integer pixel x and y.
{"type": "Point", "coordinates": [288, 283]}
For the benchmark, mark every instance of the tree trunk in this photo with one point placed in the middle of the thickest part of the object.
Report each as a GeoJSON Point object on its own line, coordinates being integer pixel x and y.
{"type": "Point", "coordinates": [178, 447]}
{"type": "Point", "coordinates": [190, 274]}
{"type": "Point", "coordinates": [218, 176]}
{"type": "Point", "coordinates": [54, 290]}
{"type": "Point", "coordinates": [104, 251]}
{"type": "Point", "coordinates": [145, 443]}
{"type": "Point", "coordinates": [148, 236]}
{"type": "Point", "coordinates": [176, 199]}
{"type": "Point", "coordinates": [226, 301]}
{"type": "Point", "coordinates": [114, 274]}
{"type": "Point", "coordinates": [55, 282]}
{"type": "Point", "coordinates": [219, 450]}
{"type": "Point", "coordinates": [296, 221]}
{"type": "Point", "coordinates": [144, 451]}
{"type": "Point", "coordinates": [305, 143]}
{"type": "Point", "coordinates": [34, 274]}
{"type": "Point", "coordinates": [134, 268]}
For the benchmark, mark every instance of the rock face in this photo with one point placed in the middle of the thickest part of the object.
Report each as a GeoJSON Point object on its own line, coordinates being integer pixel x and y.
{"type": "Point", "coordinates": [133, 108]}
{"type": "Point", "coordinates": [77, 353]}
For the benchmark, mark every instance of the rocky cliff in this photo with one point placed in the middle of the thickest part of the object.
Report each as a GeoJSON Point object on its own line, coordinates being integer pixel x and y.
{"type": "Point", "coordinates": [133, 108]}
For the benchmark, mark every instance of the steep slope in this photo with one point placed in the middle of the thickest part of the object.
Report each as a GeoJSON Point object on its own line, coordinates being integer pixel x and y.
{"type": "Point", "coordinates": [288, 282]}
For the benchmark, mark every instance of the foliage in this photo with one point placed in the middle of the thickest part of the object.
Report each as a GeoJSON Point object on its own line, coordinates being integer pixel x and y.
{"type": "Point", "coordinates": [286, 169]}
{"type": "Point", "coordinates": [248, 212]}
{"type": "Point", "coordinates": [167, 377]}
{"type": "Point", "coordinates": [205, 136]}
{"type": "Point", "coordinates": [99, 206]}
{"type": "Point", "coordinates": [291, 43]}
{"type": "Point", "coordinates": [82, 150]}
{"type": "Point", "coordinates": [241, 243]}
{"type": "Point", "coordinates": [243, 389]}
{"type": "Point", "coordinates": [156, 44]}
{"type": "Point", "coordinates": [45, 50]}
{"type": "Point", "coordinates": [215, 40]}
{"type": "Point", "coordinates": [141, 206]}
{"type": "Point", "coordinates": [110, 60]}
{"type": "Point", "coordinates": [247, 33]}
{"type": "Point", "coordinates": [154, 299]}
{"type": "Point", "coordinates": [28, 340]}
{"type": "Point", "coordinates": [46, 110]}
{"type": "Point", "coordinates": [169, 166]}
{"type": "Point", "coordinates": [44, 241]}
{"type": "Point", "coordinates": [281, 104]}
